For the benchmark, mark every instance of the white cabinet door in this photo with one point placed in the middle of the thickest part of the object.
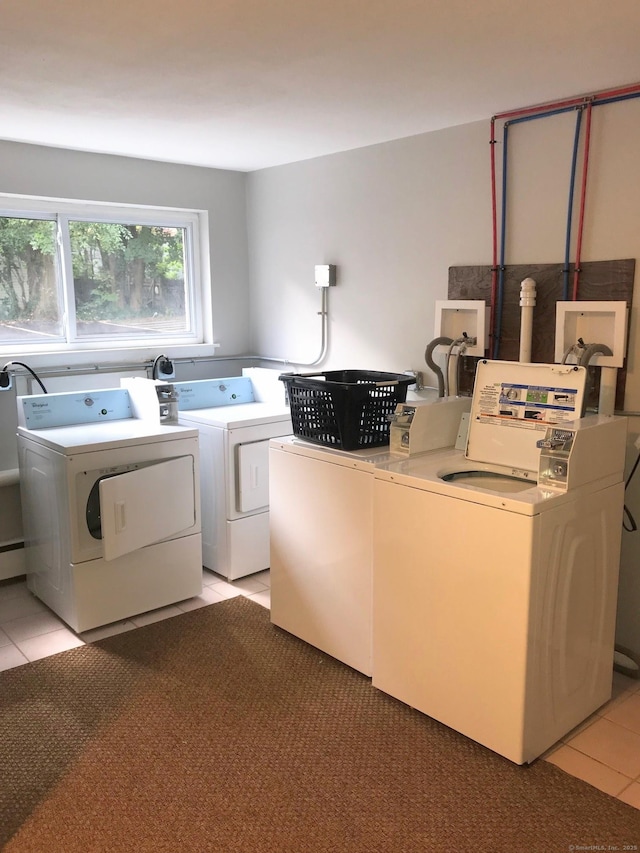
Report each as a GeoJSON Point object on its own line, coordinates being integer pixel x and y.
{"type": "Point", "coordinates": [253, 476]}
{"type": "Point", "coordinates": [146, 506]}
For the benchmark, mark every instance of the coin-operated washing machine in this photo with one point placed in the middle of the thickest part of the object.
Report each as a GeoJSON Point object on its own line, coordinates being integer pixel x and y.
{"type": "Point", "coordinates": [236, 417]}
{"type": "Point", "coordinates": [321, 501]}
{"type": "Point", "coordinates": [111, 506]}
{"type": "Point", "coordinates": [495, 568]}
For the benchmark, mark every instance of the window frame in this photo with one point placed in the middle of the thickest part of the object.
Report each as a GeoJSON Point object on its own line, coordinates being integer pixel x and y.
{"type": "Point", "coordinates": [198, 341]}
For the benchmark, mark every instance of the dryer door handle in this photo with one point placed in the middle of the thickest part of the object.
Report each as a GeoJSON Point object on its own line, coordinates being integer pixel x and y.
{"type": "Point", "coordinates": [120, 516]}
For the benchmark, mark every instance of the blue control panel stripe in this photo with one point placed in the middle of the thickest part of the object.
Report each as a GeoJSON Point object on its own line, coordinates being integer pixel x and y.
{"type": "Point", "coordinates": [208, 393]}
{"type": "Point", "coordinates": [43, 411]}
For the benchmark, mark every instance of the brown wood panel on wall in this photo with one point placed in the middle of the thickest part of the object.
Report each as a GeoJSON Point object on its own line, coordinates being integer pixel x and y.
{"type": "Point", "coordinates": [601, 281]}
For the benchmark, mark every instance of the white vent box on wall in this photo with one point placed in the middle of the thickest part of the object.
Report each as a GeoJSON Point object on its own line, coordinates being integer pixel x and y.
{"type": "Point", "coordinates": [455, 317]}
{"type": "Point", "coordinates": [596, 323]}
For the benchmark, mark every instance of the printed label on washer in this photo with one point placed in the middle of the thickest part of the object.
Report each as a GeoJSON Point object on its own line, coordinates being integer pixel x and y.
{"type": "Point", "coordinates": [522, 405]}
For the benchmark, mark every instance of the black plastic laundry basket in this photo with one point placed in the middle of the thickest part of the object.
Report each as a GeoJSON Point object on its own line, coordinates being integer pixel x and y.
{"type": "Point", "coordinates": [346, 409]}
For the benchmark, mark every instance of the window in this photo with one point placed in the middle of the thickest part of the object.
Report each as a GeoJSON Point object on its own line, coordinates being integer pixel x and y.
{"type": "Point", "coordinates": [76, 277]}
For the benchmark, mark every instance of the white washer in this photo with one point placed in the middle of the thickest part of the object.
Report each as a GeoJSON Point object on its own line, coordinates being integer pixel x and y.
{"type": "Point", "coordinates": [495, 585]}
{"type": "Point", "coordinates": [321, 502]}
{"type": "Point", "coordinates": [235, 422]}
{"type": "Point", "coordinates": [110, 505]}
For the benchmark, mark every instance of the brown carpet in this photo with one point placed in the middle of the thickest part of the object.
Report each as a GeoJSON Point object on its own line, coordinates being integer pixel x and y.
{"type": "Point", "coordinates": [215, 731]}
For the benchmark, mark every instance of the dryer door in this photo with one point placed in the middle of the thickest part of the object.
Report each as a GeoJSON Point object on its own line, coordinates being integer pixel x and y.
{"type": "Point", "coordinates": [253, 476]}
{"type": "Point", "coordinates": [147, 505]}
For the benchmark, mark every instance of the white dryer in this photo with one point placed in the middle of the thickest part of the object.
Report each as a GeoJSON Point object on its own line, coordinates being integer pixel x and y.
{"type": "Point", "coordinates": [111, 507]}
{"type": "Point", "coordinates": [236, 418]}
{"type": "Point", "coordinates": [495, 569]}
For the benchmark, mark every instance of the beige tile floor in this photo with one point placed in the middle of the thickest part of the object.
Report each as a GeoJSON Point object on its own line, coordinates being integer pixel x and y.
{"type": "Point", "coordinates": [604, 751]}
{"type": "Point", "coordinates": [29, 630]}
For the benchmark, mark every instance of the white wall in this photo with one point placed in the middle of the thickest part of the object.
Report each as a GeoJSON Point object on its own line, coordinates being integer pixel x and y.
{"type": "Point", "coordinates": [394, 217]}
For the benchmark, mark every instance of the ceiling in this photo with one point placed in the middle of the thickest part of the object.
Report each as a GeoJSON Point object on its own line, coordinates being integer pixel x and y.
{"type": "Point", "coordinates": [247, 84]}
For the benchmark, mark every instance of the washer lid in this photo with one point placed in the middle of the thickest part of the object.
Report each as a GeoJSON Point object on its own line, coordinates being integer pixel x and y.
{"type": "Point", "coordinates": [513, 403]}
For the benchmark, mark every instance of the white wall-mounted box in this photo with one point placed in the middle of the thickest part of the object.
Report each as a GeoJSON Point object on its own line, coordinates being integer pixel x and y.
{"type": "Point", "coordinates": [595, 323]}
{"type": "Point", "coordinates": [455, 317]}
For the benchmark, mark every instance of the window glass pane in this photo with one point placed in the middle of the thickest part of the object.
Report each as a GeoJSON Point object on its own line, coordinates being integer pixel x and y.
{"type": "Point", "coordinates": [129, 280]}
{"type": "Point", "coordinates": [29, 294]}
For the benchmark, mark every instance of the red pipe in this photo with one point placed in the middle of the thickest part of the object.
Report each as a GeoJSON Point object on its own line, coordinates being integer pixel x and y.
{"type": "Point", "coordinates": [573, 102]}
{"type": "Point", "coordinates": [583, 195]}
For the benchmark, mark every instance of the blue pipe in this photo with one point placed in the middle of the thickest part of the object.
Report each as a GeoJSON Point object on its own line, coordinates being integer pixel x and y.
{"type": "Point", "coordinates": [542, 115]}
{"type": "Point", "coordinates": [500, 294]}
{"type": "Point", "coordinates": [574, 163]}
{"type": "Point", "coordinates": [503, 231]}
{"type": "Point", "coordinates": [597, 103]}
{"type": "Point", "coordinates": [572, 182]}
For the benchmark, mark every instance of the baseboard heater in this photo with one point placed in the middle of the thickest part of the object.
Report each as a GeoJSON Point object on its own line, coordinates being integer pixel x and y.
{"type": "Point", "coordinates": [12, 562]}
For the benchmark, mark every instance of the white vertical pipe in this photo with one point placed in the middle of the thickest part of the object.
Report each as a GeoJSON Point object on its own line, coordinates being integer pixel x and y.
{"type": "Point", "coordinates": [527, 304]}
{"type": "Point", "coordinates": [607, 399]}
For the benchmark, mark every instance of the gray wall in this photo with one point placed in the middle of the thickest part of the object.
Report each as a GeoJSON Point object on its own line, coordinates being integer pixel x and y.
{"type": "Point", "coordinates": [56, 173]}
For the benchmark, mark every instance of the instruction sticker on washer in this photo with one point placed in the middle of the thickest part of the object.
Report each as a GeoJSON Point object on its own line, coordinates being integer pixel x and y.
{"type": "Point", "coordinates": [514, 403]}
{"type": "Point", "coordinates": [525, 405]}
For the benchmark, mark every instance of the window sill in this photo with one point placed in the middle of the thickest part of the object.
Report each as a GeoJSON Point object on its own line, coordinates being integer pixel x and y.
{"type": "Point", "coordinates": [91, 358]}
